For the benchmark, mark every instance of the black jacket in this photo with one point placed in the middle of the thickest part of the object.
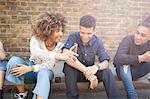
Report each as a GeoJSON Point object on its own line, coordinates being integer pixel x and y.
{"type": "Point", "coordinates": [128, 52]}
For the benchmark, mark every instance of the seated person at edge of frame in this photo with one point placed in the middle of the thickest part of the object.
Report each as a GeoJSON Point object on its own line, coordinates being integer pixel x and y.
{"type": "Point", "coordinates": [88, 45]}
{"type": "Point", "coordinates": [45, 48]}
{"type": "Point", "coordinates": [3, 63]}
{"type": "Point", "coordinates": [132, 59]}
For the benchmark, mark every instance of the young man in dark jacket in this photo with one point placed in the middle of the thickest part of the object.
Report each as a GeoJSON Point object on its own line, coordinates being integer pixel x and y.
{"type": "Point", "coordinates": [133, 57]}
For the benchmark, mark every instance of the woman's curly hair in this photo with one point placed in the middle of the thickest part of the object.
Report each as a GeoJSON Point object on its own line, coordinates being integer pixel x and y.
{"type": "Point", "coordinates": [48, 23]}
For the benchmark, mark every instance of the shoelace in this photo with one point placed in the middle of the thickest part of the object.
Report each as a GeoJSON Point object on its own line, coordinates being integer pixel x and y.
{"type": "Point", "coordinates": [149, 79]}
{"type": "Point", "coordinates": [18, 96]}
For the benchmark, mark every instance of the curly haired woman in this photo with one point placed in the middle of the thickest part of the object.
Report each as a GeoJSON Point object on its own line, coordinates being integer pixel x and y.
{"type": "Point", "coordinates": [45, 48]}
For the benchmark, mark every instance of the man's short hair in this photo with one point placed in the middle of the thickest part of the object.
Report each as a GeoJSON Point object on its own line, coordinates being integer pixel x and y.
{"type": "Point", "coordinates": [88, 21]}
{"type": "Point", "coordinates": [146, 22]}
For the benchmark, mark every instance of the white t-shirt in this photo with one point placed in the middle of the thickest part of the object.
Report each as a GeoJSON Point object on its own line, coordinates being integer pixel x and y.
{"type": "Point", "coordinates": [41, 56]}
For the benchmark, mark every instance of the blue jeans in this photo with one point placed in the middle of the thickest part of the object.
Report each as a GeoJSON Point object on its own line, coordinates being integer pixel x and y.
{"type": "Point", "coordinates": [126, 77]}
{"type": "Point", "coordinates": [3, 64]}
{"type": "Point", "coordinates": [42, 78]}
{"type": "Point", "coordinates": [128, 73]}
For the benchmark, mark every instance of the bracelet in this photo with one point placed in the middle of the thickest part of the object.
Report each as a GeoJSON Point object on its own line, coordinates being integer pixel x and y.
{"type": "Point", "coordinates": [97, 66]}
{"type": "Point", "coordinates": [32, 69]}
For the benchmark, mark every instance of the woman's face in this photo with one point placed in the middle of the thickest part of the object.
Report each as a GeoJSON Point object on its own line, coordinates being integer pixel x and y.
{"type": "Point", "coordinates": [56, 36]}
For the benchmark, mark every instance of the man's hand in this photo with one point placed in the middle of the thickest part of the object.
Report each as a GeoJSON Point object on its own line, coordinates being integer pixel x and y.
{"type": "Point", "coordinates": [74, 48]}
{"type": "Point", "coordinates": [91, 70]}
{"type": "Point", "coordinates": [144, 57]}
{"type": "Point", "coordinates": [22, 69]}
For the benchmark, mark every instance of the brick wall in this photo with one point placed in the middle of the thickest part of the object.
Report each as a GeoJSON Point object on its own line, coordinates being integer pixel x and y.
{"type": "Point", "coordinates": [115, 19]}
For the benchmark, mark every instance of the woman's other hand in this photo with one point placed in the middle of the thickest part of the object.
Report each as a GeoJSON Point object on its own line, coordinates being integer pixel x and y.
{"type": "Point", "coordinates": [21, 69]}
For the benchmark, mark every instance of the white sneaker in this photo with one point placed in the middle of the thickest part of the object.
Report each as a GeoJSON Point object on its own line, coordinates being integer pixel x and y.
{"type": "Point", "coordinates": [18, 96]}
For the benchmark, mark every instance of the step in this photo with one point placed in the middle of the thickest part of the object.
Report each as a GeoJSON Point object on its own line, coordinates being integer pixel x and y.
{"type": "Point", "coordinates": [83, 86]}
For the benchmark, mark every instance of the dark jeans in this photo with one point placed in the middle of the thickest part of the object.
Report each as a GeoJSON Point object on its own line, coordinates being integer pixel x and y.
{"type": "Point", "coordinates": [72, 76]}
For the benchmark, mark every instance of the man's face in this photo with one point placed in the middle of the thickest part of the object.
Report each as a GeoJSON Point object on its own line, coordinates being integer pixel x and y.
{"type": "Point", "coordinates": [86, 34]}
{"type": "Point", "coordinates": [142, 35]}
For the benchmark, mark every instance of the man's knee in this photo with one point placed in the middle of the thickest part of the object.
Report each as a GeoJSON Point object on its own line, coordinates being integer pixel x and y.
{"type": "Point", "coordinates": [68, 69]}
{"type": "Point", "coordinates": [107, 72]}
{"type": "Point", "coordinates": [146, 66]}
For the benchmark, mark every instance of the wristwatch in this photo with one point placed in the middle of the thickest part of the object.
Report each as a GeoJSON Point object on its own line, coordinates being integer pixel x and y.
{"type": "Point", "coordinates": [97, 66]}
